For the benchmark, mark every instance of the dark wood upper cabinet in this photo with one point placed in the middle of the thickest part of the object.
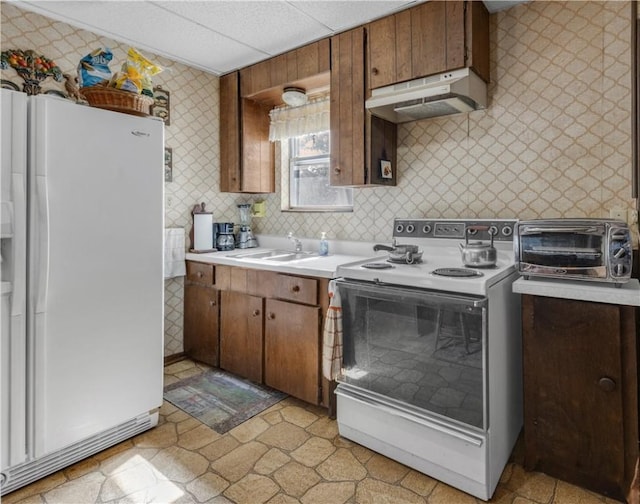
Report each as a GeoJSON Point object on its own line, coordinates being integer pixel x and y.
{"type": "Point", "coordinates": [246, 155]}
{"type": "Point", "coordinates": [430, 38]}
{"type": "Point", "coordinates": [306, 67]}
{"type": "Point", "coordinates": [230, 143]}
{"type": "Point", "coordinates": [359, 141]}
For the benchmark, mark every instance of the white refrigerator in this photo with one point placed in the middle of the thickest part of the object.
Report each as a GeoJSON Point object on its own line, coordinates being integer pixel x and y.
{"type": "Point", "coordinates": [82, 227]}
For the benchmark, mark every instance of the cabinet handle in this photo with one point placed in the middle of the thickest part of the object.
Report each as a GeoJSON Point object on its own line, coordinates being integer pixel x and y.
{"type": "Point", "coordinates": [375, 71]}
{"type": "Point", "coordinates": [336, 170]}
{"type": "Point", "coordinates": [199, 274]}
{"type": "Point", "coordinates": [272, 316]}
{"type": "Point", "coordinates": [212, 303]}
{"type": "Point", "coordinates": [607, 384]}
{"type": "Point", "coordinates": [256, 313]}
{"type": "Point", "coordinates": [295, 288]}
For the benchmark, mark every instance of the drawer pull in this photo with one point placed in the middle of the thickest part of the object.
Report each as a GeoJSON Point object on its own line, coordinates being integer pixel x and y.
{"type": "Point", "coordinates": [295, 288]}
{"type": "Point", "coordinates": [375, 71]}
{"type": "Point", "coordinates": [199, 274]}
{"type": "Point", "coordinates": [607, 384]}
{"type": "Point", "coordinates": [212, 303]}
{"type": "Point", "coordinates": [256, 313]}
{"type": "Point", "coordinates": [272, 316]}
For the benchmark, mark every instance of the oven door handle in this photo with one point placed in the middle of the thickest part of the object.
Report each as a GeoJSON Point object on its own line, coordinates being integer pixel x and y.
{"type": "Point", "coordinates": [540, 230]}
{"type": "Point", "coordinates": [449, 431]}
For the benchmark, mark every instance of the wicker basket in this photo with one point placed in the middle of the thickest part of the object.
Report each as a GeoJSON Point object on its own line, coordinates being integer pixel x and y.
{"type": "Point", "coordinates": [115, 99]}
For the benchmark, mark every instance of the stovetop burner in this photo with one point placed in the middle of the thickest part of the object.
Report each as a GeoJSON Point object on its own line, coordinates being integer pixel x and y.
{"type": "Point", "coordinates": [377, 265]}
{"type": "Point", "coordinates": [457, 272]}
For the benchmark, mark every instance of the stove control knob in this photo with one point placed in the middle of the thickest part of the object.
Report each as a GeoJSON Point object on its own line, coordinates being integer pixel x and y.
{"type": "Point", "coordinates": [410, 228]}
{"type": "Point", "coordinates": [472, 231]}
{"type": "Point", "coordinates": [620, 253]}
{"type": "Point", "coordinates": [493, 230]}
{"type": "Point", "coordinates": [426, 229]}
{"type": "Point", "coordinates": [507, 231]}
{"type": "Point", "coordinates": [399, 228]}
{"type": "Point", "coordinates": [619, 270]}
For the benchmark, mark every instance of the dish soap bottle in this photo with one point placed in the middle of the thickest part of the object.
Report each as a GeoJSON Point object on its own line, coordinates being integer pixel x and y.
{"type": "Point", "coordinates": [324, 245]}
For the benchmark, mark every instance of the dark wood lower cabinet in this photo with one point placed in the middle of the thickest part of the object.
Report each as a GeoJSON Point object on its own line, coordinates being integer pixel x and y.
{"type": "Point", "coordinates": [261, 325]}
{"type": "Point", "coordinates": [292, 337]}
{"type": "Point", "coordinates": [241, 334]}
{"type": "Point", "coordinates": [580, 392]}
{"type": "Point", "coordinates": [201, 318]}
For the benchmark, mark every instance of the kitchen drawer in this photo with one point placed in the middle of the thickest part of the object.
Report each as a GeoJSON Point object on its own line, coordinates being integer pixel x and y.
{"type": "Point", "coordinates": [299, 289]}
{"type": "Point", "coordinates": [200, 273]}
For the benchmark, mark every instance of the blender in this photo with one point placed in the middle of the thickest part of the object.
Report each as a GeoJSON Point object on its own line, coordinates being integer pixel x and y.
{"type": "Point", "coordinates": [245, 238]}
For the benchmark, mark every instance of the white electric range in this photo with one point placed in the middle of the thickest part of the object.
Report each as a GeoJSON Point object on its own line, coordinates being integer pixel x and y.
{"type": "Point", "coordinates": [432, 373]}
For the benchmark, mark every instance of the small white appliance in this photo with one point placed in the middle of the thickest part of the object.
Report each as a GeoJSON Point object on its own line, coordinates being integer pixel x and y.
{"type": "Point", "coordinates": [82, 282]}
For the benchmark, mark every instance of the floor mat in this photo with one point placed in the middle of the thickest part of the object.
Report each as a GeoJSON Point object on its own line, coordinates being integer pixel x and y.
{"type": "Point", "coordinates": [221, 400]}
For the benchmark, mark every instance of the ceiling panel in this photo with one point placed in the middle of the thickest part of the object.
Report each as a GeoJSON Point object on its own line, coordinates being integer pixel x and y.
{"type": "Point", "coordinates": [272, 27]}
{"type": "Point", "coordinates": [218, 36]}
{"type": "Point", "coordinates": [340, 15]}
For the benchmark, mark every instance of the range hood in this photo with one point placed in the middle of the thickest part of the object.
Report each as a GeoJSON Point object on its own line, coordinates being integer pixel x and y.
{"type": "Point", "coordinates": [437, 95]}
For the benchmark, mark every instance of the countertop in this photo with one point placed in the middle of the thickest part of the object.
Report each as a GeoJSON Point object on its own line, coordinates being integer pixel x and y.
{"type": "Point", "coordinates": [340, 252]}
{"type": "Point", "coordinates": [626, 294]}
{"type": "Point", "coordinates": [316, 266]}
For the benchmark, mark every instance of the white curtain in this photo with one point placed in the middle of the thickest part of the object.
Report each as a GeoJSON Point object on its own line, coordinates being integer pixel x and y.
{"type": "Point", "coordinates": [287, 122]}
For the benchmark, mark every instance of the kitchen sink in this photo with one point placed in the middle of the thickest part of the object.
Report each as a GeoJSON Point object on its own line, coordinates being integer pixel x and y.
{"type": "Point", "coordinates": [264, 254]}
{"type": "Point", "coordinates": [292, 256]}
{"type": "Point", "coordinates": [274, 255]}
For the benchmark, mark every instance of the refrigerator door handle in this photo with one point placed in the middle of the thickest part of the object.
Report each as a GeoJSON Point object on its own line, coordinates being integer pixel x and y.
{"type": "Point", "coordinates": [42, 284]}
{"type": "Point", "coordinates": [20, 259]}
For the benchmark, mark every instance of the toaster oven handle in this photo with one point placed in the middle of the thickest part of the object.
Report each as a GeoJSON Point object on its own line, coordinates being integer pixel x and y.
{"type": "Point", "coordinates": [538, 230]}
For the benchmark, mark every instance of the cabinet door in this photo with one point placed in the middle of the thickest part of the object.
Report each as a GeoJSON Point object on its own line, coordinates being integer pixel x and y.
{"type": "Point", "coordinates": [381, 43]}
{"type": "Point", "coordinates": [573, 392]}
{"type": "Point", "coordinates": [258, 169]}
{"type": "Point", "coordinates": [389, 49]}
{"type": "Point", "coordinates": [291, 349]}
{"type": "Point", "coordinates": [428, 39]}
{"type": "Point", "coordinates": [347, 114]}
{"type": "Point", "coordinates": [201, 318]}
{"type": "Point", "coordinates": [241, 335]}
{"type": "Point", "coordinates": [230, 133]}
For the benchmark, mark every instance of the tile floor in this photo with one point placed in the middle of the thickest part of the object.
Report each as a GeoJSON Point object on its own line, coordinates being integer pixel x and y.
{"type": "Point", "coordinates": [289, 453]}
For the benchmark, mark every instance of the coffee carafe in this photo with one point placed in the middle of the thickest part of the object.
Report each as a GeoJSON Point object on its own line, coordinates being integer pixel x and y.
{"type": "Point", "coordinates": [245, 238]}
{"type": "Point", "coordinates": [224, 239]}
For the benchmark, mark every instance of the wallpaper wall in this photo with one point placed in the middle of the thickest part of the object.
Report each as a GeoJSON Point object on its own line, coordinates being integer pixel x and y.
{"type": "Point", "coordinates": [555, 140]}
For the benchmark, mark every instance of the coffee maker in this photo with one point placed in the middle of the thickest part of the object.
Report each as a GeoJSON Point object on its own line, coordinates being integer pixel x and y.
{"type": "Point", "coordinates": [224, 237]}
{"type": "Point", "coordinates": [245, 238]}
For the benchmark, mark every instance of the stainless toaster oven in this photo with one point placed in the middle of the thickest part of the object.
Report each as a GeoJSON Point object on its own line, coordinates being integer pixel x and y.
{"type": "Point", "coordinates": [576, 249]}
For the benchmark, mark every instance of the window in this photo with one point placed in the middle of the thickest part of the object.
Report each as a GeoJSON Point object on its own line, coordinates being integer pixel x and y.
{"type": "Point", "coordinates": [309, 187]}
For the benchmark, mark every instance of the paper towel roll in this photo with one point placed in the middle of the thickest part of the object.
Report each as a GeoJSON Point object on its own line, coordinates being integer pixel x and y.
{"type": "Point", "coordinates": [202, 231]}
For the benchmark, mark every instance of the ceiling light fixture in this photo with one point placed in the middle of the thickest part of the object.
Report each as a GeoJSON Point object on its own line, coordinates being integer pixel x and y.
{"type": "Point", "coordinates": [294, 97]}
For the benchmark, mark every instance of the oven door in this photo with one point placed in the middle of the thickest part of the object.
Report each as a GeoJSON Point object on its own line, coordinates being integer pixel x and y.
{"type": "Point", "coordinates": [425, 349]}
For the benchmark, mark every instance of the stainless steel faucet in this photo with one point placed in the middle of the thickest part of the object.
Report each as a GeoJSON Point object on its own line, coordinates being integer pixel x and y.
{"type": "Point", "coordinates": [296, 241]}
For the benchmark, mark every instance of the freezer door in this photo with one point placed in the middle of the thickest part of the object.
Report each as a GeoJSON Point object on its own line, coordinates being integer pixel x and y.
{"type": "Point", "coordinates": [96, 269]}
{"type": "Point", "coordinates": [13, 277]}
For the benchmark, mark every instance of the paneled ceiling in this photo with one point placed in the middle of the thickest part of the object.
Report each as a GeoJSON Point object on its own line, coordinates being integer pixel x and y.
{"type": "Point", "coordinates": [218, 36]}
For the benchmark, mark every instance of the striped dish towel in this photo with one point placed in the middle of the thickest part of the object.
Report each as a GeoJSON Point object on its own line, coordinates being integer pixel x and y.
{"type": "Point", "coordinates": [332, 335]}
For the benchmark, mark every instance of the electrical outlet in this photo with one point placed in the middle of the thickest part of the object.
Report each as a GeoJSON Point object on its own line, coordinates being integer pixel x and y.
{"type": "Point", "coordinates": [618, 214]}
{"type": "Point", "coordinates": [632, 216]}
